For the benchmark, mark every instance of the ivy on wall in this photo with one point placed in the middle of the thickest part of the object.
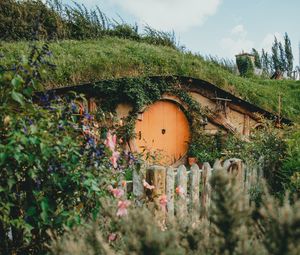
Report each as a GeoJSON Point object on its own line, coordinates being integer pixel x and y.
{"type": "Point", "coordinates": [141, 92]}
{"type": "Point", "coordinates": [245, 66]}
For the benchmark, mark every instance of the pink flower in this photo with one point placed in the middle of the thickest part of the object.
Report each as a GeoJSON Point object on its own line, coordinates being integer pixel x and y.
{"type": "Point", "coordinates": [117, 193]}
{"type": "Point", "coordinates": [147, 185]}
{"type": "Point", "coordinates": [110, 141]}
{"type": "Point", "coordinates": [180, 191]}
{"type": "Point", "coordinates": [163, 202]}
{"type": "Point", "coordinates": [112, 237]}
{"type": "Point", "coordinates": [123, 183]}
{"type": "Point", "coordinates": [122, 208]}
{"type": "Point", "coordinates": [114, 158]}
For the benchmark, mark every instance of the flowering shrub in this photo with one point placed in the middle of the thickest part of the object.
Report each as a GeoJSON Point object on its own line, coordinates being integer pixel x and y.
{"type": "Point", "coordinates": [54, 163]}
{"type": "Point", "coordinates": [235, 226]}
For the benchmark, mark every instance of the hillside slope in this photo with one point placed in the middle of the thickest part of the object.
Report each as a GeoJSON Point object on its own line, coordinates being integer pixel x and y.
{"type": "Point", "coordinates": [85, 61]}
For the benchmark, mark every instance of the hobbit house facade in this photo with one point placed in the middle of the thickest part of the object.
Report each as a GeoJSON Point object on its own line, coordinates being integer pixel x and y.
{"type": "Point", "coordinates": [165, 124]}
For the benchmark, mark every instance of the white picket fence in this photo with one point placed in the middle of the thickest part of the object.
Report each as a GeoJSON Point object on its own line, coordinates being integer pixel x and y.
{"type": "Point", "coordinates": [185, 191]}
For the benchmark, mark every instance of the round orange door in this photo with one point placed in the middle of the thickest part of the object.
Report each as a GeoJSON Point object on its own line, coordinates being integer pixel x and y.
{"type": "Point", "coordinates": [163, 131]}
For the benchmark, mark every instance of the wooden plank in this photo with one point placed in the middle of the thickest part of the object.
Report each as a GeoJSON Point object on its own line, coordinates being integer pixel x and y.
{"type": "Point", "coordinates": [181, 190]}
{"type": "Point", "coordinates": [170, 191]}
{"type": "Point", "coordinates": [234, 166]}
{"type": "Point", "coordinates": [206, 192]}
{"type": "Point", "coordinates": [195, 182]}
{"type": "Point", "coordinates": [156, 175]}
{"type": "Point", "coordinates": [138, 188]}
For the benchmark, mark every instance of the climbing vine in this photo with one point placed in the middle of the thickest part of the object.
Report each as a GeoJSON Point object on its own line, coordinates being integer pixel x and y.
{"type": "Point", "coordinates": [141, 92]}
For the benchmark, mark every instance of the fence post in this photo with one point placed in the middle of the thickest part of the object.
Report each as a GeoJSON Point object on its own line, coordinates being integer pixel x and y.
{"type": "Point", "coordinates": [181, 191]}
{"type": "Point", "coordinates": [156, 175]}
{"type": "Point", "coordinates": [235, 167]}
{"type": "Point", "coordinates": [206, 191]}
{"type": "Point", "coordinates": [195, 180]}
{"type": "Point", "coordinates": [137, 183]}
{"type": "Point", "coordinates": [170, 190]}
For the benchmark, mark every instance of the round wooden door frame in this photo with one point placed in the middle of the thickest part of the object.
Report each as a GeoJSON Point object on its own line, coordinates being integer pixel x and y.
{"type": "Point", "coordinates": [183, 108]}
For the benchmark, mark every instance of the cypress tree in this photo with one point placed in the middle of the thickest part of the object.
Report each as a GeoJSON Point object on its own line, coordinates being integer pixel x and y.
{"type": "Point", "coordinates": [257, 60]}
{"type": "Point", "coordinates": [282, 58]}
{"type": "Point", "coordinates": [266, 62]}
{"type": "Point", "coordinates": [275, 56]}
{"type": "Point", "coordinates": [288, 54]}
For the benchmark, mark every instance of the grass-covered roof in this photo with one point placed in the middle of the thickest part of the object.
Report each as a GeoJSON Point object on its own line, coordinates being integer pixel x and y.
{"type": "Point", "coordinates": [110, 57]}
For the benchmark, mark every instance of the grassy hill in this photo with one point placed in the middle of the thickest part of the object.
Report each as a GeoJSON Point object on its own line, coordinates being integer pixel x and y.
{"type": "Point", "coordinates": [90, 60]}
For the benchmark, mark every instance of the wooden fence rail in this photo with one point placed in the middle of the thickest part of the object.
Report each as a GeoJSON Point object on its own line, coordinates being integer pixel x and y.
{"type": "Point", "coordinates": [183, 191]}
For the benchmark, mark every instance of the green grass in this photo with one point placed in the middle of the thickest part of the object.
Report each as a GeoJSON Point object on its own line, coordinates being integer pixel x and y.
{"type": "Point", "coordinates": [90, 60]}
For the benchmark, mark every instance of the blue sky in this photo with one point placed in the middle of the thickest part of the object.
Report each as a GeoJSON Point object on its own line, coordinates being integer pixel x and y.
{"type": "Point", "coordinates": [217, 27]}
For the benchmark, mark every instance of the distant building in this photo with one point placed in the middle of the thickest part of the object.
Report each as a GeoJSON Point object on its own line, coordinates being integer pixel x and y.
{"type": "Point", "coordinates": [245, 54]}
{"type": "Point", "coordinates": [257, 71]}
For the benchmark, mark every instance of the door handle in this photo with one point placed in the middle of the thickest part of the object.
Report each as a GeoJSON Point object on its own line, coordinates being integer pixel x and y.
{"type": "Point", "coordinates": [163, 131]}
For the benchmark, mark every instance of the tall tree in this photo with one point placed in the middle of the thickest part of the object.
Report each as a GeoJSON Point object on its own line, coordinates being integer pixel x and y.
{"type": "Point", "coordinates": [282, 58]}
{"type": "Point", "coordinates": [265, 62]}
{"type": "Point", "coordinates": [257, 60]}
{"type": "Point", "coordinates": [288, 54]}
{"type": "Point", "coordinates": [275, 55]}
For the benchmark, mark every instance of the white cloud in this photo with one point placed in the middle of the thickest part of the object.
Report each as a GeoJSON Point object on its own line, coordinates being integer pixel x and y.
{"type": "Point", "coordinates": [236, 42]}
{"type": "Point", "coordinates": [268, 40]}
{"type": "Point", "coordinates": [179, 15]}
{"type": "Point", "coordinates": [239, 30]}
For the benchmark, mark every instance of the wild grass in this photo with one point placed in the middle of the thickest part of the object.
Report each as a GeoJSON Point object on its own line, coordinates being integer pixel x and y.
{"type": "Point", "coordinates": [112, 57]}
{"type": "Point", "coordinates": [55, 20]}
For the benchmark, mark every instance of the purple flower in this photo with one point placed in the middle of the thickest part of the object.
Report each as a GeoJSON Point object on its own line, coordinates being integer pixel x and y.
{"type": "Point", "coordinates": [73, 107]}
{"type": "Point", "coordinates": [99, 152]}
{"type": "Point", "coordinates": [50, 169]}
{"type": "Point", "coordinates": [88, 116]}
{"type": "Point", "coordinates": [38, 184]}
{"type": "Point", "coordinates": [91, 141]}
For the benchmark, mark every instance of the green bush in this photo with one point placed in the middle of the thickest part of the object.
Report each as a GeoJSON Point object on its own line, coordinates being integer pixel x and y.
{"type": "Point", "coordinates": [52, 172]}
{"type": "Point", "coordinates": [245, 66]}
{"type": "Point", "coordinates": [205, 147]}
{"type": "Point", "coordinates": [266, 150]}
{"type": "Point", "coordinates": [235, 227]}
{"type": "Point", "coordinates": [291, 163]}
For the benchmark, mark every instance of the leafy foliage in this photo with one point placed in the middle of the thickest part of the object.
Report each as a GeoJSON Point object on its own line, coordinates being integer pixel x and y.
{"type": "Point", "coordinates": [291, 163]}
{"type": "Point", "coordinates": [266, 150]}
{"type": "Point", "coordinates": [245, 66]}
{"type": "Point", "coordinates": [142, 92]}
{"type": "Point", "coordinates": [205, 147]}
{"type": "Point", "coordinates": [236, 227]}
{"type": "Point", "coordinates": [257, 61]}
{"type": "Point", "coordinates": [279, 61]}
{"type": "Point", "coordinates": [53, 168]}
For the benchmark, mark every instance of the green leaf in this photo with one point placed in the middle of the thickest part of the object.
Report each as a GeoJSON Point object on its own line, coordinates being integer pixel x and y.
{"type": "Point", "coordinates": [33, 129]}
{"type": "Point", "coordinates": [11, 182]}
{"type": "Point", "coordinates": [16, 82]}
{"type": "Point", "coordinates": [28, 91]}
{"type": "Point", "coordinates": [31, 211]}
{"type": "Point", "coordinates": [18, 97]}
{"type": "Point", "coordinates": [45, 208]}
{"type": "Point", "coordinates": [3, 156]}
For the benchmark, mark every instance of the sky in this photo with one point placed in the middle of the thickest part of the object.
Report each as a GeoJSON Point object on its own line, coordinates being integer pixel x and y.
{"type": "Point", "coordinates": [220, 28]}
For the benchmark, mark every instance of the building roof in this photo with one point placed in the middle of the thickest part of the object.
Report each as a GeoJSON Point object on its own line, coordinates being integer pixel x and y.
{"type": "Point", "coordinates": [190, 83]}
